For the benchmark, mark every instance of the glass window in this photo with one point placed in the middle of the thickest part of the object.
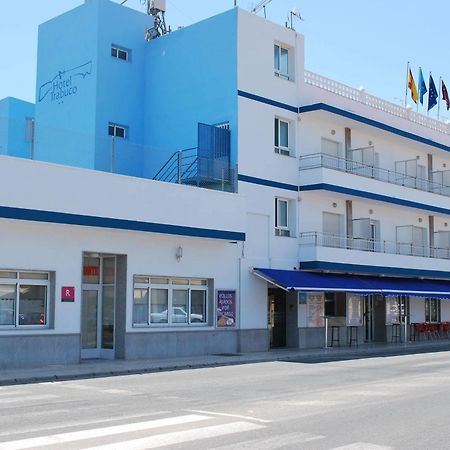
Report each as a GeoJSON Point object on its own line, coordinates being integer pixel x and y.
{"type": "Point", "coordinates": [109, 270]}
{"type": "Point", "coordinates": [182, 281]}
{"type": "Point", "coordinates": [33, 276]}
{"type": "Point", "coordinates": [281, 216]}
{"type": "Point", "coordinates": [432, 310]}
{"type": "Point", "coordinates": [116, 130]}
{"type": "Point", "coordinates": [91, 270]}
{"type": "Point", "coordinates": [180, 306]}
{"type": "Point", "coordinates": [281, 61]}
{"type": "Point", "coordinates": [4, 274]}
{"type": "Point", "coordinates": [198, 306]}
{"type": "Point", "coordinates": [154, 280]}
{"type": "Point", "coordinates": [32, 305]}
{"type": "Point", "coordinates": [7, 304]}
{"type": "Point", "coordinates": [143, 280]}
{"type": "Point", "coordinates": [159, 306]}
{"type": "Point", "coordinates": [199, 282]}
{"type": "Point", "coordinates": [119, 53]}
{"type": "Point", "coordinates": [281, 140]}
{"type": "Point", "coordinates": [140, 306]}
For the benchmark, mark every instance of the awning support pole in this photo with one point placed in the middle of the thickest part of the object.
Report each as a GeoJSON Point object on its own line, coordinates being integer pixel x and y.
{"type": "Point", "coordinates": [326, 332]}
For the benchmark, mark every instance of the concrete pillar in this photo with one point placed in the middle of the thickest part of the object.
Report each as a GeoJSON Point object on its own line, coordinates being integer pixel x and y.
{"type": "Point", "coordinates": [348, 143]}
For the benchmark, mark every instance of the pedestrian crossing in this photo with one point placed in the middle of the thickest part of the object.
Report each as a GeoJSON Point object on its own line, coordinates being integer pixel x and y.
{"type": "Point", "coordinates": [205, 431]}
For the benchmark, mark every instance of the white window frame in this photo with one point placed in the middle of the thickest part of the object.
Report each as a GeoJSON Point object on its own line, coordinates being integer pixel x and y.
{"type": "Point", "coordinates": [281, 149]}
{"type": "Point", "coordinates": [120, 53]}
{"type": "Point", "coordinates": [115, 128]}
{"type": "Point", "coordinates": [277, 64]}
{"type": "Point", "coordinates": [428, 301]}
{"type": "Point", "coordinates": [18, 281]}
{"type": "Point", "coordinates": [281, 230]}
{"type": "Point", "coordinates": [170, 287]}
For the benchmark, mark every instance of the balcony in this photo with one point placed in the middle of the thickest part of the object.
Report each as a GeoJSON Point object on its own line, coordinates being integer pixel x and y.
{"type": "Point", "coordinates": [318, 239]}
{"type": "Point", "coordinates": [399, 178]}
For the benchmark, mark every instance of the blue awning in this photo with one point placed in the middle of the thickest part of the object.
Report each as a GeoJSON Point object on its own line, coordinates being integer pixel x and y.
{"type": "Point", "coordinates": [359, 284]}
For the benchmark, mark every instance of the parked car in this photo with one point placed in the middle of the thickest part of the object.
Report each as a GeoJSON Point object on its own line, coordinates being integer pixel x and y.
{"type": "Point", "coordinates": [179, 315]}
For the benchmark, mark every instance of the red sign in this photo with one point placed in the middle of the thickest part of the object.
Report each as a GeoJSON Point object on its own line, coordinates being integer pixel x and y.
{"type": "Point", "coordinates": [68, 294]}
{"type": "Point", "coordinates": [91, 271]}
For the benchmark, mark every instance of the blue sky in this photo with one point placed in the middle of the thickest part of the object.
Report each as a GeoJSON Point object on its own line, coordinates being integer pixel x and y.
{"type": "Point", "coordinates": [357, 42]}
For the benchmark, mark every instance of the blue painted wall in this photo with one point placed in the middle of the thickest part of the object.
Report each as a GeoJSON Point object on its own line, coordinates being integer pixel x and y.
{"type": "Point", "coordinates": [191, 77]}
{"type": "Point", "coordinates": [14, 138]}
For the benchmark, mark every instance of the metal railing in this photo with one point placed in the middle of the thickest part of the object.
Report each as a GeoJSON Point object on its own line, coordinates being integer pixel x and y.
{"type": "Point", "coordinates": [319, 160]}
{"type": "Point", "coordinates": [360, 96]}
{"type": "Point", "coordinates": [319, 239]}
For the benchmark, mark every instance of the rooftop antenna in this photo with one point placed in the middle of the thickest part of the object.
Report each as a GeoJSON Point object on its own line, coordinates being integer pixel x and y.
{"type": "Point", "coordinates": [261, 5]}
{"type": "Point", "coordinates": [156, 9]}
{"type": "Point", "coordinates": [290, 20]}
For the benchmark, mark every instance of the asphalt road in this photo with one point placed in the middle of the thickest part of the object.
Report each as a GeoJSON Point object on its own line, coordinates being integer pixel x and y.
{"type": "Point", "coordinates": [399, 402]}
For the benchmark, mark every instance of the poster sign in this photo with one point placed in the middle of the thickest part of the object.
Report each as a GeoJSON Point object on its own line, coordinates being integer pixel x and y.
{"type": "Point", "coordinates": [354, 310]}
{"type": "Point", "coordinates": [315, 307]}
{"type": "Point", "coordinates": [392, 311]}
{"type": "Point", "coordinates": [226, 309]}
{"type": "Point", "coordinates": [68, 294]}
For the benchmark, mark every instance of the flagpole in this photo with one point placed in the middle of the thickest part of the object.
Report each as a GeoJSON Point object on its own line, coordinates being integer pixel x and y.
{"type": "Point", "coordinates": [407, 79]}
{"type": "Point", "coordinates": [429, 91]}
{"type": "Point", "coordinates": [439, 96]}
{"type": "Point", "coordinates": [418, 79]}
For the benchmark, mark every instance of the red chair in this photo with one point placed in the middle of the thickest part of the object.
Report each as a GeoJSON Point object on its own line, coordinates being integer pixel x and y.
{"type": "Point", "coordinates": [446, 328]}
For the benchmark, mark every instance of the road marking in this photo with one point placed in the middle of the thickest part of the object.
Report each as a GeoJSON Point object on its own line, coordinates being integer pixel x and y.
{"type": "Point", "coordinates": [99, 432]}
{"type": "Point", "coordinates": [236, 416]}
{"type": "Point", "coordinates": [80, 423]}
{"type": "Point", "coordinates": [27, 399]}
{"type": "Point", "coordinates": [362, 446]}
{"type": "Point", "coordinates": [279, 441]}
{"type": "Point", "coordinates": [179, 437]}
{"type": "Point", "coordinates": [84, 387]}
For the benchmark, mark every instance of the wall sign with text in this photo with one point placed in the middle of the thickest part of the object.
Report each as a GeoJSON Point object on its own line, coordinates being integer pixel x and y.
{"type": "Point", "coordinates": [226, 308]}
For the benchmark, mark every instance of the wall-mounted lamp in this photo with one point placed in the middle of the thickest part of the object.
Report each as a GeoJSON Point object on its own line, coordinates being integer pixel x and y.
{"type": "Point", "coordinates": [370, 211]}
{"type": "Point", "coordinates": [334, 205]}
{"type": "Point", "coordinates": [445, 224]}
{"type": "Point", "coordinates": [420, 219]}
{"type": "Point", "coordinates": [333, 132]}
{"type": "Point", "coordinates": [179, 253]}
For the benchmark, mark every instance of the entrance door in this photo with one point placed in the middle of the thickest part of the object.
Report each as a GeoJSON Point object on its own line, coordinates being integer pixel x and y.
{"type": "Point", "coordinates": [277, 318]}
{"type": "Point", "coordinates": [375, 318]}
{"type": "Point", "coordinates": [98, 307]}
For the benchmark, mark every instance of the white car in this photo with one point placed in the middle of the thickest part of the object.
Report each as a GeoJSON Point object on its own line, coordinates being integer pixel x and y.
{"type": "Point", "coordinates": [179, 315]}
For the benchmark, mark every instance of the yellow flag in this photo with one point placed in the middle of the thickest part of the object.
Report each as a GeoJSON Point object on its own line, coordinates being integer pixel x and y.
{"type": "Point", "coordinates": [412, 86]}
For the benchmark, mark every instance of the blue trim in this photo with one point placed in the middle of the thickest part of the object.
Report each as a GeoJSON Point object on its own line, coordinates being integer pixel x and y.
{"type": "Point", "coordinates": [361, 269]}
{"type": "Point", "coordinates": [268, 101]}
{"type": "Point", "coordinates": [373, 123]}
{"type": "Point", "coordinates": [371, 196]}
{"type": "Point", "coordinates": [344, 113]}
{"type": "Point", "coordinates": [7, 212]}
{"type": "Point", "coordinates": [269, 183]}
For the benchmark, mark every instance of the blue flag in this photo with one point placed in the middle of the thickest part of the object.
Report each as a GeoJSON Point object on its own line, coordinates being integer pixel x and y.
{"type": "Point", "coordinates": [422, 86]}
{"type": "Point", "coordinates": [432, 95]}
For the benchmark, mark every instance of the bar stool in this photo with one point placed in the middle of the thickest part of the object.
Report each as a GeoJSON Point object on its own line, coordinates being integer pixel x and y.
{"type": "Point", "coordinates": [352, 335]}
{"type": "Point", "coordinates": [335, 336]}
{"type": "Point", "coordinates": [395, 332]}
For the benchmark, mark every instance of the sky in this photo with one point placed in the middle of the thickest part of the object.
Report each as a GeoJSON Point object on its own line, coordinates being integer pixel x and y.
{"type": "Point", "coordinates": [357, 42]}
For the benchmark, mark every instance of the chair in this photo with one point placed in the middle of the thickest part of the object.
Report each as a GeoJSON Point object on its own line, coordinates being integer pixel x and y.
{"type": "Point", "coordinates": [395, 332]}
{"type": "Point", "coordinates": [352, 335]}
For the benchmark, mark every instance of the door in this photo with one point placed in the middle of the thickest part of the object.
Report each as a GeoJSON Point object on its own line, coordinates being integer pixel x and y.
{"type": "Point", "coordinates": [277, 318]}
{"type": "Point", "coordinates": [368, 318]}
{"type": "Point", "coordinates": [374, 318]}
{"type": "Point", "coordinates": [98, 307]}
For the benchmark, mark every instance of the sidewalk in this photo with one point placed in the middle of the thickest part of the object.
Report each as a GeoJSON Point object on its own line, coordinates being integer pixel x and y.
{"type": "Point", "coordinates": [106, 368]}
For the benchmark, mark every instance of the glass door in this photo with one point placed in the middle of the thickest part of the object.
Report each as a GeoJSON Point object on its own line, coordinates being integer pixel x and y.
{"type": "Point", "coordinates": [98, 307]}
{"type": "Point", "coordinates": [368, 318]}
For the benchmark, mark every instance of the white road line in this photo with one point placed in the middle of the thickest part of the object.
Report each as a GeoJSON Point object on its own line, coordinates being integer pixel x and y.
{"type": "Point", "coordinates": [83, 387]}
{"type": "Point", "coordinates": [27, 399]}
{"type": "Point", "coordinates": [236, 416]}
{"type": "Point", "coordinates": [80, 423]}
{"type": "Point", "coordinates": [99, 432]}
{"type": "Point", "coordinates": [362, 446]}
{"type": "Point", "coordinates": [179, 437]}
{"type": "Point", "coordinates": [278, 441]}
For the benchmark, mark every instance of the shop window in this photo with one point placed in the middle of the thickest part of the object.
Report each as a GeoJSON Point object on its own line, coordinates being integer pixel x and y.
{"type": "Point", "coordinates": [24, 299]}
{"type": "Point", "coordinates": [169, 301]}
{"type": "Point", "coordinates": [432, 310]}
{"type": "Point", "coordinates": [120, 53]}
{"type": "Point", "coordinates": [335, 304]}
{"type": "Point", "coordinates": [281, 62]}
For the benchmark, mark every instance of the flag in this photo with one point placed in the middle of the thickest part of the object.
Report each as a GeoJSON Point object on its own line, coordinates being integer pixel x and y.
{"type": "Point", "coordinates": [432, 95]}
{"type": "Point", "coordinates": [412, 86]}
{"type": "Point", "coordinates": [445, 96]}
{"type": "Point", "coordinates": [422, 86]}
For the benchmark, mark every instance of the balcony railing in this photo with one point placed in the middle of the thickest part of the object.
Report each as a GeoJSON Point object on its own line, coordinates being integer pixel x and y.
{"type": "Point", "coordinates": [318, 239]}
{"type": "Point", "coordinates": [360, 96]}
{"type": "Point", "coordinates": [319, 160]}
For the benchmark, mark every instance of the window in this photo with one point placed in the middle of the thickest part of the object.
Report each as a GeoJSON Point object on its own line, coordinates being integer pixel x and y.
{"type": "Point", "coordinates": [281, 217]}
{"type": "Point", "coordinates": [120, 53]}
{"type": "Point", "coordinates": [281, 134]}
{"type": "Point", "coordinates": [335, 304]}
{"type": "Point", "coordinates": [281, 62]}
{"type": "Point", "coordinates": [432, 310]}
{"type": "Point", "coordinates": [117, 130]}
{"type": "Point", "coordinates": [169, 301]}
{"type": "Point", "coordinates": [24, 299]}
